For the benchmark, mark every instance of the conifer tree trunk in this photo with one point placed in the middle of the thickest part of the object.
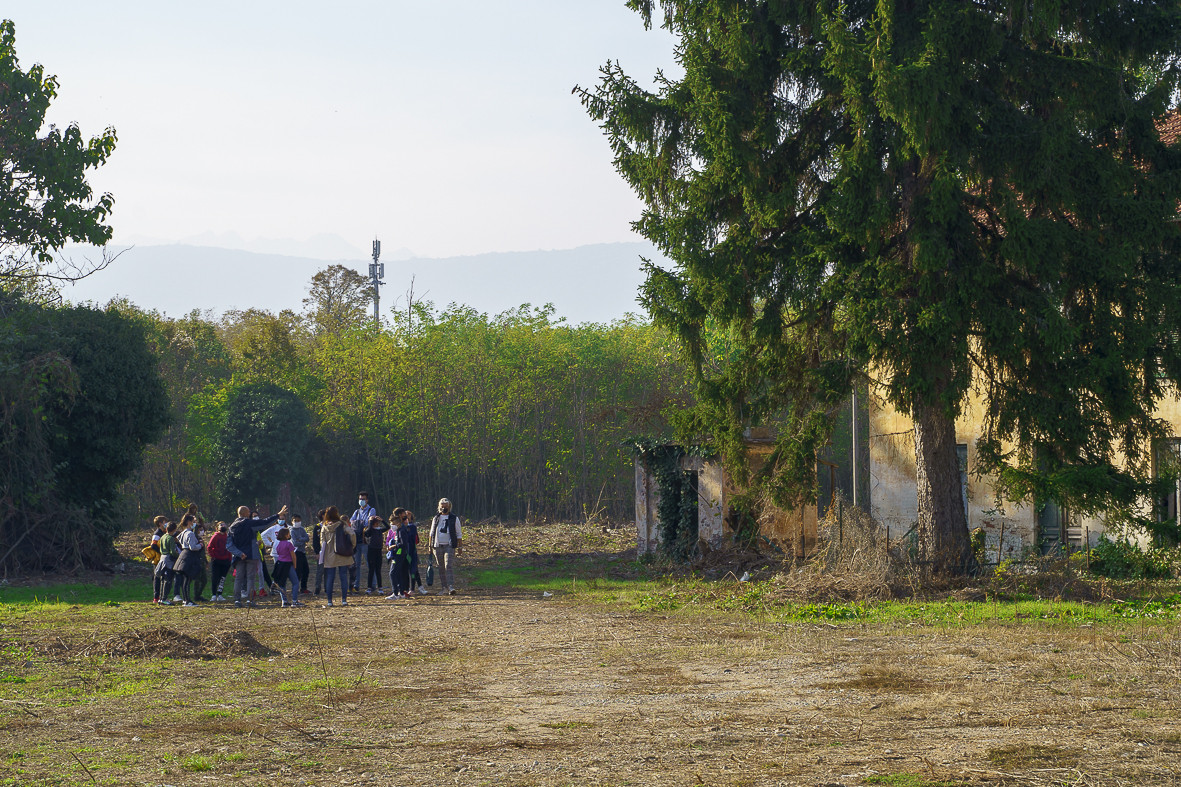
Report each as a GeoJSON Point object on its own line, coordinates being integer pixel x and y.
{"type": "Point", "coordinates": [942, 524]}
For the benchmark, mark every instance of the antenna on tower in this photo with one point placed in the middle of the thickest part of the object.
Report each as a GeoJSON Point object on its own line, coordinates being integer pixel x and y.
{"type": "Point", "coordinates": [376, 274]}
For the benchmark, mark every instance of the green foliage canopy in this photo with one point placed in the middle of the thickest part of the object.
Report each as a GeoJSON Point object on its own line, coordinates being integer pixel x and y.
{"type": "Point", "coordinates": [260, 445]}
{"type": "Point", "coordinates": [81, 401]}
{"type": "Point", "coordinates": [932, 194]}
{"type": "Point", "coordinates": [45, 200]}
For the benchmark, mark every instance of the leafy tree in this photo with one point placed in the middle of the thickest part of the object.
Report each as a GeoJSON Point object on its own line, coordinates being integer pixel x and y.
{"type": "Point", "coordinates": [191, 357]}
{"type": "Point", "coordinates": [45, 200]}
{"type": "Point", "coordinates": [932, 195]}
{"type": "Point", "coordinates": [338, 299]}
{"type": "Point", "coordinates": [81, 400]}
{"type": "Point", "coordinates": [260, 444]}
{"type": "Point", "coordinates": [268, 346]}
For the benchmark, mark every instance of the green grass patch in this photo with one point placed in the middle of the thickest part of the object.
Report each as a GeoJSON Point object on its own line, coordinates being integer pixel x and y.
{"type": "Point", "coordinates": [667, 593]}
{"type": "Point", "coordinates": [217, 714]}
{"type": "Point", "coordinates": [196, 764]}
{"type": "Point", "coordinates": [911, 780]}
{"type": "Point", "coordinates": [304, 685]}
{"type": "Point", "coordinates": [117, 592]}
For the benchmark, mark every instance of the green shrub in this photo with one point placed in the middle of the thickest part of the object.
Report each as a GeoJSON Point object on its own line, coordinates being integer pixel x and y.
{"type": "Point", "coordinates": [1125, 560]}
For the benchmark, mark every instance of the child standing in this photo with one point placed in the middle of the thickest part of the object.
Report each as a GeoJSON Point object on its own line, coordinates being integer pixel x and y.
{"type": "Point", "coordinates": [162, 578]}
{"type": "Point", "coordinates": [284, 553]}
{"type": "Point", "coordinates": [411, 529]}
{"type": "Point", "coordinates": [299, 540]}
{"type": "Point", "coordinates": [221, 560]}
{"type": "Point", "coordinates": [374, 535]}
{"type": "Point", "coordinates": [399, 560]}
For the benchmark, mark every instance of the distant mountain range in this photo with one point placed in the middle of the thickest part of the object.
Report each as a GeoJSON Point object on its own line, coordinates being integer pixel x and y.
{"type": "Point", "coordinates": [596, 283]}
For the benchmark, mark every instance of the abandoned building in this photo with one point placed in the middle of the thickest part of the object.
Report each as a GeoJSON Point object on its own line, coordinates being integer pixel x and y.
{"type": "Point", "coordinates": [871, 463]}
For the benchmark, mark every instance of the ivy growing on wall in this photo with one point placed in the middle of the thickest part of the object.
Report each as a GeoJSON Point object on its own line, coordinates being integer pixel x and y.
{"type": "Point", "coordinates": [677, 508]}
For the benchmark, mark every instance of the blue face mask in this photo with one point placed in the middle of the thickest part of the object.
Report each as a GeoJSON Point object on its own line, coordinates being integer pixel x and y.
{"type": "Point", "coordinates": [280, 521]}
{"type": "Point", "coordinates": [362, 503]}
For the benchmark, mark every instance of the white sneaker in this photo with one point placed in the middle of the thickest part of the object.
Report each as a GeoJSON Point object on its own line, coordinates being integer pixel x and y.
{"type": "Point", "coordinates": [329, 604]}
{"type": "Point", "coordinates": [392, 596]}
{"type": "Point", "coordinates": [190, 604]}
{"type": "Point", "coordinates": [422, 590]}
{"type": "Point", "coordinates": [177, 599]}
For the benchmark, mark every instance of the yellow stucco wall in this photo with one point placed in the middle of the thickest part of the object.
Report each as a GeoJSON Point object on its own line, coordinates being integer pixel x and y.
{"type": "Point", "coordinates": [894, 500]}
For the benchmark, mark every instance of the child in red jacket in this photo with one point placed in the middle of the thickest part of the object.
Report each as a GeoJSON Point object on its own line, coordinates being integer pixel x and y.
{"type": "Point", "coordinates": [220, 560]}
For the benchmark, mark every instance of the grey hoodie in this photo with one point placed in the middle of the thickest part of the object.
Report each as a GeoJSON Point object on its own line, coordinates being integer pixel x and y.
{"type": "Point", "coordinates": [299, 537]}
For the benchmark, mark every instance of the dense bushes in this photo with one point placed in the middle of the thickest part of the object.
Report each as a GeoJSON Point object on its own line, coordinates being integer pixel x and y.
{"type": "Point", "coordinates": [517, 415]}
{"type": "Point", "coordinates": [80, 397]}
{"type": "Point", "coordinates": [1124, 560]}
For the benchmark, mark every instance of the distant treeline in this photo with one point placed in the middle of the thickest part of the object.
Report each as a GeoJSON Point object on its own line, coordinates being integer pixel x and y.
{"type": "Point", "coordinates": [513, 416]}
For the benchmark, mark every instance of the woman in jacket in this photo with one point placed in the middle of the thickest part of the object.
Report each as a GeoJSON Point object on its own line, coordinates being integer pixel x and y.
{"type": "Point", "coordinates": [336, 564]}
{"type": "Point", "coordinates": [191, 559]}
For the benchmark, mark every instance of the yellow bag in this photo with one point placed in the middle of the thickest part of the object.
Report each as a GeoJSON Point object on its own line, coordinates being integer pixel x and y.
{"type": "Point", "coordinates": [151, 553]}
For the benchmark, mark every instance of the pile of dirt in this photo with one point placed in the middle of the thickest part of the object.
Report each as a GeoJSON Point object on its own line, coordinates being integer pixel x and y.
{"type": "Point", "coordinates": [160, 642]}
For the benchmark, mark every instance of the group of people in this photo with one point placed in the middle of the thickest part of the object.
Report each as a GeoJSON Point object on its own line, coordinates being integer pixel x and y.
{"type": "Point", "coordinates": [365, 544]}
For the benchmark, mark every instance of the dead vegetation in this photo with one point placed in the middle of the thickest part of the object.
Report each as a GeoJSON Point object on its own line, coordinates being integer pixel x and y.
{"type": "Point", "coordinates": [157, 642]}
{"type": "Point", "coordinates": [499, 685]}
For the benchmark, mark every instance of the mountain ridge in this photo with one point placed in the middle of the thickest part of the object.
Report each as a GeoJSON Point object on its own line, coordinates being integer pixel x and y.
{"type": "Point", "coordinates": [591, 283]}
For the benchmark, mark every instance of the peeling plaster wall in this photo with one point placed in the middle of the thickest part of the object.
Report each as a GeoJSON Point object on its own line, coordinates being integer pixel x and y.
{"type": "Point", "coordinates": [894, 497]}
{"type": "Point", "coordinates": [711, 499]}
{"type": "Point", "coordinates": [647, 500]}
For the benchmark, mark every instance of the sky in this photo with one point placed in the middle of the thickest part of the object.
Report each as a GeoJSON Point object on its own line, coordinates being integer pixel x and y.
{"type": "Point", "coordinates": [444, 129]}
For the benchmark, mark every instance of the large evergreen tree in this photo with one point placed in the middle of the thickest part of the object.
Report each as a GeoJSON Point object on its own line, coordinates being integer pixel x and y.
{"type": "Point", "coordinates": [933, 195]}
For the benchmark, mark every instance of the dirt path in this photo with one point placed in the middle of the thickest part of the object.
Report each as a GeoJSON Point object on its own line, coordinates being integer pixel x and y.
{"type": "Point", "coordinates": [503, 688]}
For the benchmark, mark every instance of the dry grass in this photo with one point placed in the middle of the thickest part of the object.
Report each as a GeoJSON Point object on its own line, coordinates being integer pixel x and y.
{"type": "Point", "coordinates": [500, 686]}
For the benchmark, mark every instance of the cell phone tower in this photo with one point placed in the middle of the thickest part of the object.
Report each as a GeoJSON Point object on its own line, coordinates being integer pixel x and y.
{"type": "Point", "coordinates": [376, 273]}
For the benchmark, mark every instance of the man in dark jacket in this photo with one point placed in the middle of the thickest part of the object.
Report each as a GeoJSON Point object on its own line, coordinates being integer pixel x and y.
{"type": "Point", "coordinates": [242, 543]}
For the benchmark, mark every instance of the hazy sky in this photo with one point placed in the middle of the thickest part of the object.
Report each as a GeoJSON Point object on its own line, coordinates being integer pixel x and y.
{"type": "Point", "coordinates": [445, 128]}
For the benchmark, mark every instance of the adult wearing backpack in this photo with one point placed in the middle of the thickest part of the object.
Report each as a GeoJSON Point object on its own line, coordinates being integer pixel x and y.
{"type": "Point", "coordinates": [445, 540]}
{"type": "Point", "coordinates": [242, 543]}
{"type": "Point", "coordinates": [338, 543]}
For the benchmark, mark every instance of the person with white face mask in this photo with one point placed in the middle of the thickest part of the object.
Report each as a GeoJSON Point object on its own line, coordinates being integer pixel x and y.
{"type": "Point", "coordinates": [446, 539]}
{"type": "Point", "coordinates": [359, 521]}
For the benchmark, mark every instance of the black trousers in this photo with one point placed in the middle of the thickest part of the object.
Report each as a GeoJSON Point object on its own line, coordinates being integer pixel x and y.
{"type": "Point", "coordinates": [220, 570]}
{"type": "Point", "coordinates": [400, 574]}
{"type": "Point", "coordinates": [373, 563]}
{"type": "Point", "coordinates": [162, 583]}
{"type": "Point", "coordinates": [201, 580]}
{"type": "Point", "coordinates": [301, 571]}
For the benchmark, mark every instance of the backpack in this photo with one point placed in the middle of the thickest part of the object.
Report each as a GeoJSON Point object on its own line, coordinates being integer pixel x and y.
{"type": "Point", "coordinates": [341, 544]}
{"type": "Point", "coordinates": [393, 543]}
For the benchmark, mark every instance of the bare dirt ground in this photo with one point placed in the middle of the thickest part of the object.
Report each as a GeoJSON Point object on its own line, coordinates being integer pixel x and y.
{"type": "Point", "coordinates": [499, 685]}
